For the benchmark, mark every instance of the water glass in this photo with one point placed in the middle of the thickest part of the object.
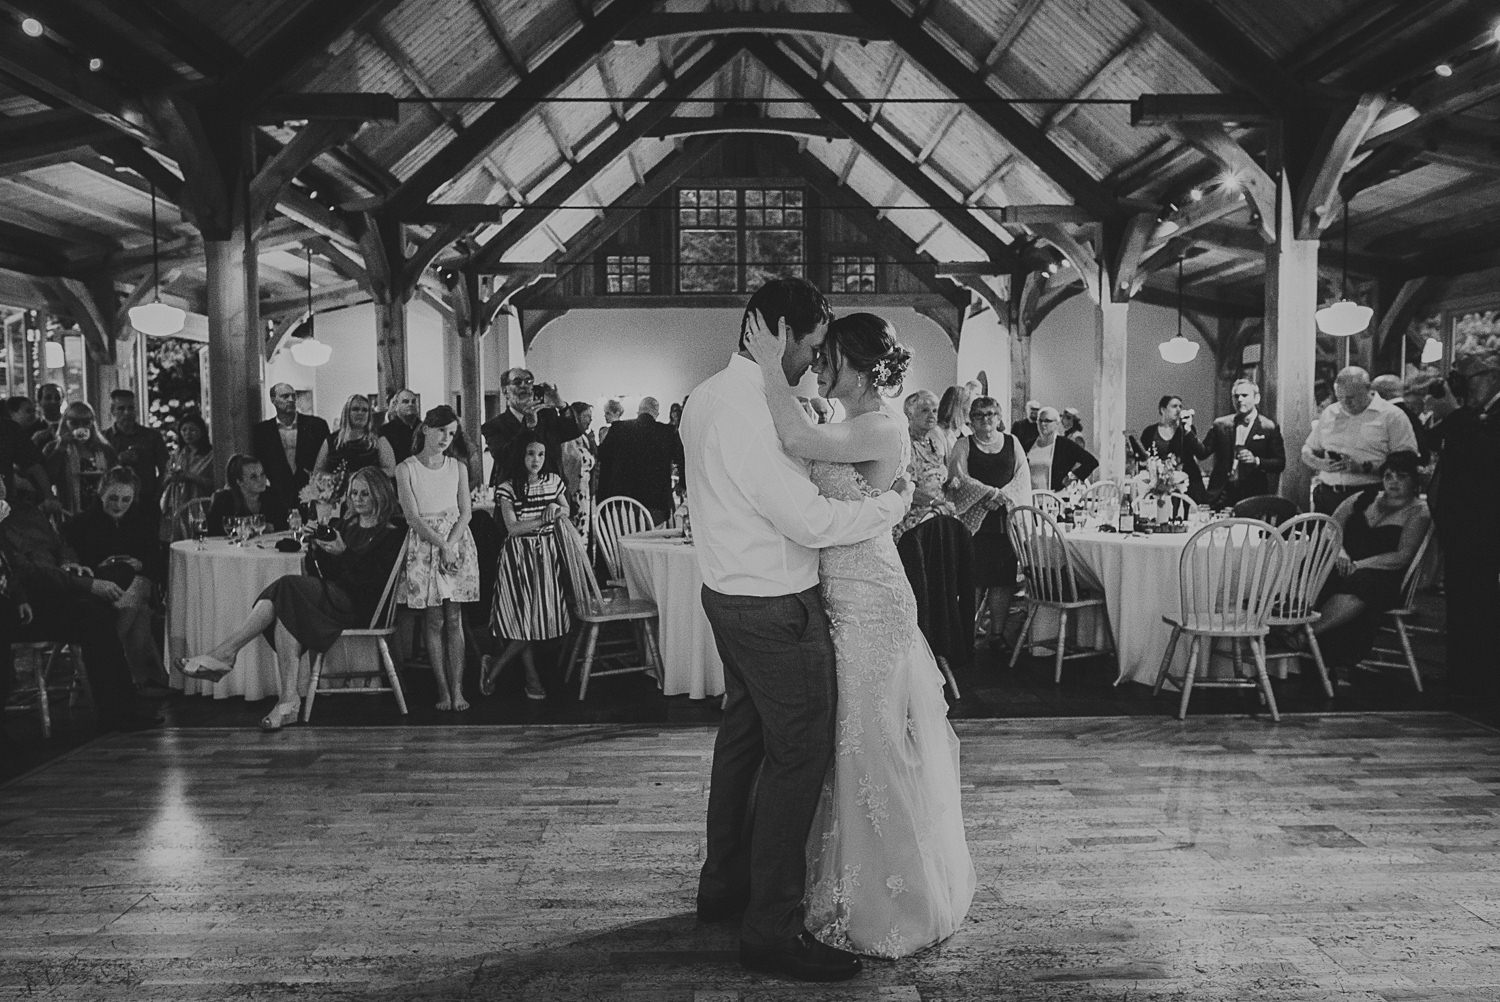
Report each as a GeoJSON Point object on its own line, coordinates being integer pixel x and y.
{"type": "Point", "coordinates": [294, 521]}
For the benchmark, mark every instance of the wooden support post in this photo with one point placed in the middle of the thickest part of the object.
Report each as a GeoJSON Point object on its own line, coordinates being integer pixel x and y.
{"type": "Point", "coordinates": [234, 338]}
{"type": "Point", "coordinates": [1109, 380]}
{"type": "Point", "coordinates": [1290, 348]}
{"type": "Point", "coordinates": [390, 344]}
{"type": "Point", "coordinates": [463, 297]}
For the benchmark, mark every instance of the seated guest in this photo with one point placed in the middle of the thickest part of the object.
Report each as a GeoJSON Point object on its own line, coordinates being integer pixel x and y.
{"type": "Point", "coordinates": [952, 418]}
{"type": "Point", "coordinates": [52, 598]}
{"type": "Point", "coordinates": [1054, 459]}
{"type": "Point", "coordinates": [356, 445]}
{"type": "Point", "coordinates": [78, 458]}
{"type": "Point", "coordinates": [1383, 527]}
{"type": "Point", "coordinates": [995, 464]}
{"type": "Point", "coordinates": [190, 472]}
{"type": "Point", "coordinates": [117, 540]}
{"type": "Point", "coordinates": [346, 576]}
{"type": "Point", "coordinates": [243, 494]}
{"type": "Point", "coordinates": [1173, 435]}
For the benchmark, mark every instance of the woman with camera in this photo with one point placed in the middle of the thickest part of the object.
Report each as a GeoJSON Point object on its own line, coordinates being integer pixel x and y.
{"type": "Point", "coordinates": [1173, 436]}
{"type": "Point", "coordinates": [349, 562]}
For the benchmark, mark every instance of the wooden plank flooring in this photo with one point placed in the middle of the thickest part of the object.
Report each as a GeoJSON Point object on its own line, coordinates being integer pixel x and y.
{"type": "Point", "coordinates": [1330, 857]}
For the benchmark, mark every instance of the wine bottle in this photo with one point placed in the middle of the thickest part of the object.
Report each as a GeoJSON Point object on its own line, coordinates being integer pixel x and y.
{"type": "Point", "coordinates": [1127, 509]}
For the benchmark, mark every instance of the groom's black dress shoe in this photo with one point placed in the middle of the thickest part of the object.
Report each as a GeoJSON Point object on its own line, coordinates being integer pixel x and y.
{"type": "Point", "coordinates": [802, 958]}
{"type": "Point", "coordinates": [720, 910]}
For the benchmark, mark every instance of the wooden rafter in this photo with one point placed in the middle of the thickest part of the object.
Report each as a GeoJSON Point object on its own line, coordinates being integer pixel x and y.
{"type": "Point", "coordinates": [1220, 51]}
{"type": "Point", "coordinates": [1061, 113]}
{"type": "Point", "coordinates": [183, 34]}
{"type": "Point", "coordinates": [1364, 31]}
{"type": "Point", "coordinates": [1009, 32]}
{"type": "Point", "coordinates": [698, 25]}
{"type": "Point", "coordinates": [60, 80]}
{"type": "Point", "coordinates": [47, 137]}
{"type": "Point", "coordinates": [817, 128]}
{"type": "Point", "coordinates": [1216, 144]}
{"type": "Point", "coordinates": [1317, 192]}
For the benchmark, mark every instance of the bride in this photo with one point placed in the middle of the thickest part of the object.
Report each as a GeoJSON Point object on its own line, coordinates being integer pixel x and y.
{"type": "Point", "coordinates": [888, 868]}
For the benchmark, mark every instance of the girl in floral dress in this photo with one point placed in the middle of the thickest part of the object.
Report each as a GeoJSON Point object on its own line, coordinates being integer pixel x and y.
{"type": "Point", "coordinates": [442, 567]}
{"type": "Point", "coordinates": [529, 602]}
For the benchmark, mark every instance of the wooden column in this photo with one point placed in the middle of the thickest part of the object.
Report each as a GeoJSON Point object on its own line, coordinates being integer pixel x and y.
{"type": "Point", "coordinates": [1290, 348]}
{"type": "Point", "coordinates": [234, 344]}
{"type": "Point", "coordinates": [1107, 436]}
{"type": "Point", "coordinates": [390, 344]}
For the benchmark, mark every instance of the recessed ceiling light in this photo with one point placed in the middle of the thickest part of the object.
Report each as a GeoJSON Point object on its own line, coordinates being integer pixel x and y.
{"type": "Point", "coordinates": [96, 64]}
{"type": "Point", "coordinates": [1196, 195]}
{"type": "Point", "coordinates": [32, 27]}
{"type": "Point", "coordinates": [1443, 70]}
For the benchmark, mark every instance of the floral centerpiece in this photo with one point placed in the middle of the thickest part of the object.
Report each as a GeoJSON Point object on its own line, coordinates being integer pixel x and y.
{"type": "Point", "coordinates": [1157, 482]}
{"type": "Point", "coordinates": [319, 493]}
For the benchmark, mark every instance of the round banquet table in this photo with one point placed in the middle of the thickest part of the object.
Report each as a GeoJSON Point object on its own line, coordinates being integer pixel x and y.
{"type": "Point", "coordinates": [210, 592]}
{"type": "Point", "coordinates": [660, 565]}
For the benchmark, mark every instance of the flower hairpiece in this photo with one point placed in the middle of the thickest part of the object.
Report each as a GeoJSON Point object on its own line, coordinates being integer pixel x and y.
{"type": "Point", "coordinates": [891, 370]}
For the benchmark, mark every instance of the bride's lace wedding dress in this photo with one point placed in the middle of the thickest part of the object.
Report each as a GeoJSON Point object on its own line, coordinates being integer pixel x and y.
{"type": "Point", "coordinates": [888, 868]}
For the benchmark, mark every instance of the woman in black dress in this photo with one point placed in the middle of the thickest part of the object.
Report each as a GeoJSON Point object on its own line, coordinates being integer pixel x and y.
{"type": "Point", "coordinates": [356, 445]}
{"type": "Point", "coordinates": [243, 494]}
{"type": "Point", "coordinates": [997, 461]}
{"type": "Point", "coordinates": [307, 612]}
{"type": "Point", "coordinates": [1173, 435]}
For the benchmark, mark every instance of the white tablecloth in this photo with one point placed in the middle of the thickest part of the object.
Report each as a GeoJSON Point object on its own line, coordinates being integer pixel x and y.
{"type": "Point", "coordinates": [210, 592]}
{"type": "Point", "coordinates": [1139, 578]}
{"type": "Point", "coordinates": [660, 566]}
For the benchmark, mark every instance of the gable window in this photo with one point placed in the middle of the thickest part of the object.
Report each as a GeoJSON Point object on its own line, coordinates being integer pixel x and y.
{"type": "Point", "coordinates": [627, 273]}
{"type": "Point", "coordinates": [851, 273]}
{"type": "Point", "coordinates": [734, 239]}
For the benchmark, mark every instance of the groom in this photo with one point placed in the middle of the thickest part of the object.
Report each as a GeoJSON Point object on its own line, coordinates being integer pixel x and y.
{"type": "Point", "coordinates": [758, 523]}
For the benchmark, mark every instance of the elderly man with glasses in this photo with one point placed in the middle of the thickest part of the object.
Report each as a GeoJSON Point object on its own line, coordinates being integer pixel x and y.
{"type": "Point", "coordinates": [530, 407]}
{"type": "Point", "coordinates": [1352, 438]}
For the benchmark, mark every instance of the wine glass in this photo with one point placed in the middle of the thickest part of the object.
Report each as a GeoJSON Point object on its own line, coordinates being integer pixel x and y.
{"type": "Point", "coordinates": [197, 525]}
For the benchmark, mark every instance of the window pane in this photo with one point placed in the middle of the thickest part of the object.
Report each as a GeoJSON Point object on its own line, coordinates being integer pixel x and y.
{"type": "Point", "coordinates": [772, 254]}
{"type": "Point", "coordinates": [773, 197]}
{"type": "Point", "coordinates": [794, 217]}
{"type": "Point", "coordinates": [707, 258]}
{"type": "Point", "coordinates": [708, 197]}
{"type": "Point", "coordinates": [755, 217]}
{"type": "Point", "coordinates": [794, 197]}
{"type": "Point", "coordinates": [773, 217]}
{"type": "Point", "coordinates": [687, 217]}
{"type": "Point", "coordinates": [687, 196]}
{"type": "Point", "coordinates": [727, 196]}
{"type": "Point", "coordinates": [611, 283]}
{"type": "Point", "coordinates": [755, 197]}
{"type": "Point", "coordinates": [627, 283]}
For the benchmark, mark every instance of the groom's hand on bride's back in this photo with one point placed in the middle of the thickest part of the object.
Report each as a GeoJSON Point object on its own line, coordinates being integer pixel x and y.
{"type": "Point", "coordinates": [905, 488]}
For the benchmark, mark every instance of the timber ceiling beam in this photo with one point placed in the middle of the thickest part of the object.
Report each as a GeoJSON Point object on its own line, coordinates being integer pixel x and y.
{"type": "Point", "coordinates": [1455, 31]}
{"type": "Point", "coordinates": [816, 128]}
{"type": "Point", "coordinates": [982, 100]}
{"type": "Point", "coordinates": [1437, 101]}
{"type": "Point", "coordinates": [1220, 51]}
{"type": "Point", "coordinates": [1460, 253]}
{"type": "Point", "coordinates": [1318, 191]}
{"type": "Point", "coordinates": [653, 27]}
{"type": "Point", "coordinates": [1165, 109]}
{"type": "Point", "coordinates": [59, 80]}
{"type": "Point", "coordinates": [1026, 215]}
{"type": "Point", "coordinates": [1216, 144]}
{"type": "Point", "coordinates": [321, 107]}
{"type": "Point", "coordinates": [182, 34]}
{"type": "Point", "coordinates": [611, 149]}
{"type": "Point", "coordinates": [1363, 32]}
{"type": "Point", "coordinates": [872, 143]}
{"type": "Point", "coordinates": [566, 62]}
{"type": "Point", "coordinates": [48, 137]}
{"type": "Point", "coordinates": [273, 178]}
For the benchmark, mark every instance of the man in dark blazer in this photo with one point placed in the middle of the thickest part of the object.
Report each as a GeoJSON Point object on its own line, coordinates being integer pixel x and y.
{"type": "Point", "coordinates": [1025, 429]}
{"type": "Point", "coordinates": [287, 446]}
{"type": "Point", "coordinates": [547, 416]}
{"type": "Point", "coordinates": [636, 460]}
{"type": "Point", "coordinates": [1247, 450]}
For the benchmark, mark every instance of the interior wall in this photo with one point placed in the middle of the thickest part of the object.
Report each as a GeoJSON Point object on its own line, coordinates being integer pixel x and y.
{"type": "Point", "coordinates": [1062, 364]}
{"type": "Point", "coordinates": [598, 354]}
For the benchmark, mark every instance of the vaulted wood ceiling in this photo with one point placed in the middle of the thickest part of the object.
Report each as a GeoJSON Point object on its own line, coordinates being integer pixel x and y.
{"type": "Point", "coordinates": [516, 131]}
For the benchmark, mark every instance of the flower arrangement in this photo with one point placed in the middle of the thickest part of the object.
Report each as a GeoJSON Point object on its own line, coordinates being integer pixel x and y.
{"type": "Point", "coordinates": [320, 488]}
{"type": "Point", "coordinates": [890, 371]}
{"type": "Point", "coordinates": [1161, 477]}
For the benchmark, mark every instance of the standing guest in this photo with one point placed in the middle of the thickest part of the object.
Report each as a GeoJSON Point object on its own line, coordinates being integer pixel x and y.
{"type": "Point", "coordinates": [307, 612]}
{"type": "Point", "coordinates": [529, 407]}
{"type": "Point", "coordinates": [952, 418]}
{"type": "Point", "coordinates": [996, 460]}
{"type": "Point", "coordinates": [1248, 452]}
{"type": "Point", "coordinates": [117, 540]}
{"type": "Point", "coordinates": [1173, 435]}
{"type": "Point", "coordinates": [1351, 439]}
{"type": "Point", "coordinates": [1390, 388]}
{"type": "Point", "coordinates": [245, 493]}
{"type": "Point", "coordinates": [1465, 499]}
{"type": "Point", "coordinates": [405, 414]}
{"type": "Point", "coordinates": [637, 460]}
{"type": "Point", "coordinates": [190, 471]}
{"type": "Point", "coordinates": [674, 416]}
{"type": "Point", "coordinates": [142, 449]}
{"type": "Point", "coordinates": [442, 568]}
{"type": "Point", "coordinates": [19, 455]}
{"type": "Point", "coordinates": [928, 469]}
{"type": "Point", "coordinates": [1072, 426]}
{"type": "Point", "coordinates": [288, 447]}
{"type": "Point", "coordinates": [1026, 430]}
{"type": "Point", "coordinates": [49, 400]}
{"type": "Point", "coordinates": [356, 445]}
{"type": "Point", "coordinates": [613, 411]}
{"type": "Point", "coordinates": [78, 458]}
{"type": "Point", "coordinates": [1053, 459]}
{"type": "Point", "coordinates": [578, 463]}
{"type": "Point", "coordinates": [529, 604]}
{"type": "Point", "coordinates": [21, 410]}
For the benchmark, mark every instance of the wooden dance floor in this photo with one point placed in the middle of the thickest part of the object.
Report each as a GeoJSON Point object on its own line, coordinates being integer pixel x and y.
{"type": "Point", "coordinates": [1330, 857]}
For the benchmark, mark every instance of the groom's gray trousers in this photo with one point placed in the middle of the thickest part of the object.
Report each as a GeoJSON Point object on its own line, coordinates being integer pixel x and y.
{"type": "Point", "coordinates": [775, 744]}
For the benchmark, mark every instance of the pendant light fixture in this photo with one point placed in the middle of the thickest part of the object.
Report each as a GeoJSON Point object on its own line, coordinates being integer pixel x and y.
{"type": "Point", "coordinates": [1178, 350]}
{"type": "Point", "coordinates": [1344, 318]}
{"type": "Point", "coordinates": [156, 317]}
{"type": "Point", "coordinates": [307, 349]}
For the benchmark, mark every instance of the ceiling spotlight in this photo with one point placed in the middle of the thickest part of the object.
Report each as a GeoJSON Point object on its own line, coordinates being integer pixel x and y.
{"type": "Point", "coordinates": [1230, 181]}
{"type": "Point", "coordinates": [313, 193]}
{"type": "Point", "coordinates": [96, 64]}
{"type": "Point", "coordinates": [1443, 70]}
{"type": "Point", "coordinates": [32, 27]}
{"type": "Point", "coordinates": [1196, 195]}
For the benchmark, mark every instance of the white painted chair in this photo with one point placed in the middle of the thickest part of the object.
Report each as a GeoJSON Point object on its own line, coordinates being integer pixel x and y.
{"type": "Point", "coordinates": [1228, 577]}
{"type": "Point", "coordinates": [1381, 657]}
{"type": "Point", "coordinates": [1312, 548]}
{"type": "Point", "coordinates": [1100, 493]}
{"type": "Point", "coordinates": [615, 517]}
{"type": "Point", "coordinates": [1047, 503]}
{"type": "Point", "coordinates": [42, 656]}
{"type": "Point", "coordinates": [1051, 582]}
{"type": "Point", "coordinates": [369, 668]}
{"type": "Point", "coordinates": [593, 610]}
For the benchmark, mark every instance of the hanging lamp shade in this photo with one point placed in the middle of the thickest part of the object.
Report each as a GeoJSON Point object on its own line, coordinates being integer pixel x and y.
{"type": "Point", "coordinates": [308, 350]}
{"type": "Point", "coordinates": [156, 318]}
{"type": "Point", "coordinates": [1181, 349]}
{"type": "Point", "coordinates": [1432, 351]}
{"type": "Point", "coordinates": [1344, 318]}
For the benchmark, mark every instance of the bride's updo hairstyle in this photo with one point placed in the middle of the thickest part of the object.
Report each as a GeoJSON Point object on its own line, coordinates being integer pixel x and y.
{"type": "Point", "coordinates": [867, 343]}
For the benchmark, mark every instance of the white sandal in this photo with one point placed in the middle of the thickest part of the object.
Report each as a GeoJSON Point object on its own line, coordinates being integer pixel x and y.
{"type": "Point", "coordinates": [205, 667]}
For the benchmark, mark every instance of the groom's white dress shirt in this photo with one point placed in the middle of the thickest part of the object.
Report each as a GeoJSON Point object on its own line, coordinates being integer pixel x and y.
{"type": "Point", "coordinates": [758, 521]}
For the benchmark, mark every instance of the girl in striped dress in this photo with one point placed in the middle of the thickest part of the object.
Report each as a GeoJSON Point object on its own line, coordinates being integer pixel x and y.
{"type": "Point", "coordinates": [529, 602]}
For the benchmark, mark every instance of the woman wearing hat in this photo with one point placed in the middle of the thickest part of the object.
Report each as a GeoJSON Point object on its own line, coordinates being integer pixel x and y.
{"type": "Point", "coordinates": [442, 566]}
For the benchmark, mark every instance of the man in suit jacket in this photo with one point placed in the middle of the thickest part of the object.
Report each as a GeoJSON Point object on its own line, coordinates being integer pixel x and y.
{"type": "Point", "coordinates": [636, 460]}
{"type": "Point", "coordinates": [1248, 452]}
{"type": "Point", "coordinates": [287, 446]}
{"type": "Point", "coordinates": [548, 417]}
{"type": "Point", "coordinates": [1025, 430]}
